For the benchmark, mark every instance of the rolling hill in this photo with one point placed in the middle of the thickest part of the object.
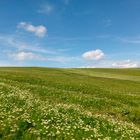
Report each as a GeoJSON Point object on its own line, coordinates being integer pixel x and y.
{"type": "Point", "coordinates": [69, 104]}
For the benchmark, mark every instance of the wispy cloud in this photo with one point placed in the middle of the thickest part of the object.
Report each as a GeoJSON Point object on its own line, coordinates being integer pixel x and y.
{"type": "Point", "coordinates": [22, 56]}
{"type": "Point", "coordinates": [135, 40]}
{"type": "Point", "coordinates": [85, 12]}
{"type": "Point", "coordinates": [30, 56]}
{"type": "Point", "coordinates": [39, 31]}
{"type": "Point", "coordinates": [22, 51]}
{"type": "Point", "coordinates": [66, 2]}
{"type": "Point", "coordinates": [78, 38]}
{"type": "Point", "coordinates": [64, 59]}
{"type": "Point", "coordinates": [107, 22]}
{"type": "Point", "coordinates": [125, 64]}
{"type": "Point", "coordinates": [12, 42]}
{"type": "Point", "coordinates": [103, 36]}
{"type": "Point", "coordinates": [113, 64]}
{"type": "Point", "coordinates": [46, 8]}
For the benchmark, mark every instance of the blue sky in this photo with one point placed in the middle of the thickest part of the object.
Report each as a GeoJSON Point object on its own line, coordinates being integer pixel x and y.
{"type": "Point", "coordinates": [70, 33]}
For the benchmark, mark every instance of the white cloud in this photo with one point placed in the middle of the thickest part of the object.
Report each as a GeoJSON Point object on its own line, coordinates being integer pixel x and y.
{"type": "Point", "coordinates": [21, 56]}
{"type": "Point", "coordinates": [46, 9]}
{"type": "Point", "coordinates": [125, 64]}
{"type": "Point", "coordinates": [93, 55]}
{"type": "Point", "coordinates": [30, 56]}
{"type": "Point", "coordinates": [14, 42]}
{"type": "Point", "coordinates": [39, 31]}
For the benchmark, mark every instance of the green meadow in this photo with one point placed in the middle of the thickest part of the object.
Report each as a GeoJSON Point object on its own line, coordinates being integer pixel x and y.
{"type": "Point", "coordinates": [69, 104]}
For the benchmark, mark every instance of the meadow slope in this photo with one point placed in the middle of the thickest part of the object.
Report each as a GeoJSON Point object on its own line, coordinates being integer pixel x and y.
{"type": "Point", "coordinates": [69, 104]}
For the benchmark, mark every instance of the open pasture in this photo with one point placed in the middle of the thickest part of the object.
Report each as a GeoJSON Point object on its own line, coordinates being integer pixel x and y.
{"type": "Point", "coordinates": [69, 104]}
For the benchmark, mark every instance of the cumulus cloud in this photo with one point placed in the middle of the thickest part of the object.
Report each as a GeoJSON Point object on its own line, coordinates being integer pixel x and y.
{"type": "Point", "coordinates": [39, 31]}
{"type": "Point", "coordinates": [125, 64]}
{"type": "Point", "coordinates": [93, 55]}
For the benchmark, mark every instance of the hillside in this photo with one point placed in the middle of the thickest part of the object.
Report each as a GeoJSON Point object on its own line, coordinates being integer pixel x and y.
{"type": "Point", "coordinates": [52, 103]}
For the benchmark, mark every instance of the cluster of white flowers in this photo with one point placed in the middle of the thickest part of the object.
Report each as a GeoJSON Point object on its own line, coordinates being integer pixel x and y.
{"type": "Point", "coordinates": [25, 115]}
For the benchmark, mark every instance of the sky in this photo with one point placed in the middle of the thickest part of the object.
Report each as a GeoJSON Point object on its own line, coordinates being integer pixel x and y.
{"type": "Point", "coordinates": [70, 33]}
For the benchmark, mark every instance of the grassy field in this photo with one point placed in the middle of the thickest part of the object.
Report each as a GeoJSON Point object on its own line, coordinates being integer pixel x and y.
{"type": "Point", "coordinates": [69, 104]}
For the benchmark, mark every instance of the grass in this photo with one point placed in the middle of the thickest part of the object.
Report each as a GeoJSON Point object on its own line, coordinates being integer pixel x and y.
{"type": "Point", "coordinates": [69, 104]}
